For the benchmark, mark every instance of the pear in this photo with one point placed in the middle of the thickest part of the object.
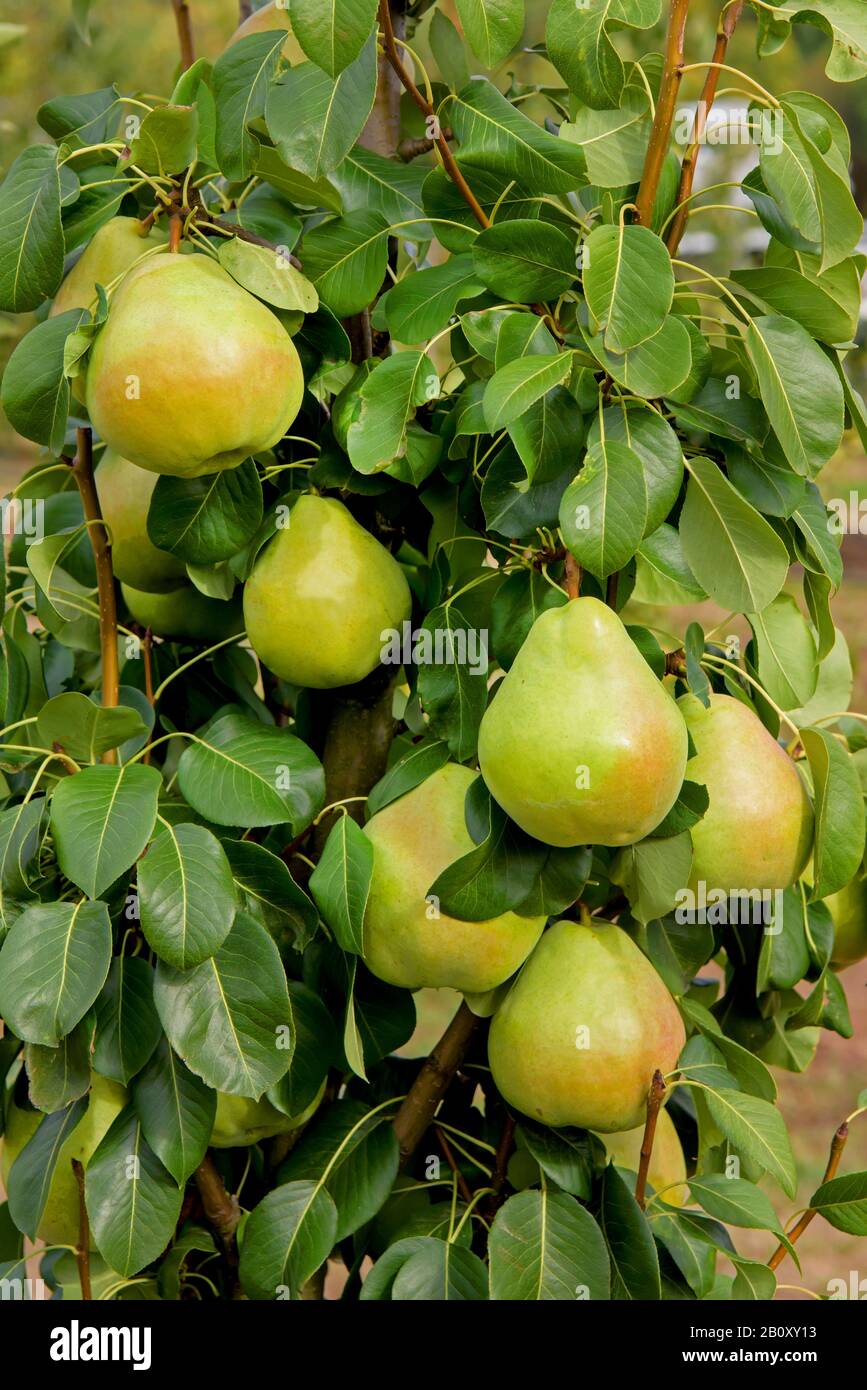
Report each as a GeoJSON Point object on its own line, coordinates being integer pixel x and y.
{"type": "Point", "coordinates": [185, 614]}
{"type": "Point", "coordinates": [125, 492]}
{"type": "Point", "coordinates": [110, 251]}
{"type": "Point", "coordinates": [581, 744]}
{"type": "Point", "coordinates": [667, 1163]}
{"type": "Point", "coordinates": [322, 598]}
{"type": "Point", "coordinates": [239, 1122]}
{"type": "Point", "coordinates": [271, 16]}
{"type": "Point", "coordinates": [407, 941]}
{"type": "Point", "coordinates": [582, 1030]}
{"type": "Point", "coordinates": [849, 911]}
{"type": "Point", "coordinates": [59, 1224]}
{"type": "Point", "coordinates": [191, 374]}
{"type": "Point", "coordinates": [757, 832]}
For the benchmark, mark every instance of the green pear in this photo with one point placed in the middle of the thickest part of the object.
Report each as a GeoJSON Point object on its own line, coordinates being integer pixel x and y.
{"type": "Point", "coordinates": [581, 744]}
{"type": "Point", "coordinates": [239, 1122]}
{"type": "Point", "coordinates": [110, 251]}
{"type": "Point", "coordinates": [407, 941]}
{"type": "Point", "coordinates": [59, 1224]}
{"type": "Point", "coordinates": [757, 832]}
{"type": "Point", "coordinates": [125, 492]}
{"type": "Point", "coordinates": [185, 614]}
{"type": "Point", "coordinates": [582, 1030]}
{"type": "Point", "coordinates": [849, 911]}
{"type": "Point", "coordinates": [321, 597]}
{"type": "Point", "coordinates": [191, 374]}
{"type": "Point", "coordinates": [271, 16]}
{"type": "Point", "coordinates": [667, 1163]}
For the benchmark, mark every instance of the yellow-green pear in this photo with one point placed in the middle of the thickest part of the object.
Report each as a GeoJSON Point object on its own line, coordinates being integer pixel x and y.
{"type": "Point", "coordinates": [581, 744]}
{"type": "Point", "coordinates": [274, 15]}
{"type": "Point", "coordinates": [407, 940]}
{"type": "Point", "coordinates": [191, 374]}
{"type": "Point", "coordinates": [667, 1163]}
{"type": "Point", "coordinates": [582, 1030]}
{"type": "Point", "coordinates": [185, 614]}
{"type": "Point", "coordinates": [849, 911]}
{"type": "Point", "coordinates": [323, 597]}
{"type": "Point", "coordinates": [111, 250]}
{"type": "Point", "coordinates": [757, 832]}
{"type": "Point", "coordinates": [125, 492]}
{"type": "Point", "coordinates": [59, 1224]}
{"type": "Point", "coordinates": [239, 1122]}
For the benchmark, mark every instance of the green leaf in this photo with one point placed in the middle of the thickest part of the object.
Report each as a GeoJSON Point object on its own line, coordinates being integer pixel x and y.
{"type": "Point", "coordinates": [628, 284]}
{"type": "Point", "coordinates": [491, 27]}
{"type": "Point", "coordinates": [83, 119]}
{"type": "Point", "coordinates": [544, 1245]}
{"type": "Point", "coordinates": [652, 438]}
{"type": "Point", "coordinates": [176, 1110]}
{"type": "Point", "coordinates": [580, 48]}
{"type": "Point", "coordinates": [525, 259]}
{"type": "Point", "coordinates": [31, 236]}
{"type": "Point", "coordinates": [387, 404]}
{"type": "Point", "coordinates": [59, 1075]}
{"type": "Point", "coordinates": [270, 275]}
{"type": "Point", "coordinates": [206, 519]}
{"type": "Point", "coordinates": [30, 1176]}
{"type": "Point", "coordinates": [548, 433]}
{"type": "Point", "coordinates": [845, 21]}
{"type": "Point", "coordinates": [345, 259]}
{"type": "Point", "coordinates": [492, 878]}
{"type": "Point", "coordinates": [271, 895]}
{"type": "Point", "coordinates": [720, 409]}
{"type": "Point", "coordinates": [35, 392]}
{"type": "Point", "coordinates": [787, 661]}
{"type": "Point", "coordinates": [753, 1281]}
{"type": "Point", "coordinates": [186, 895]}
{"type": "Point", "coordinates": [839, 808]}
{"type": "Point", "coordinates": [242, 772]}
{"type": "Point", "coordinates": [603, 513]}
{"type": "Point", "coordinates": [735, 555]}
{"type": "Point", "coordinates": [52, 967]}
{"type": "Point", "coordinates": [662, 574]}
{"type": "Point", "coordinates": [565, 1155]}
{"type": "Point", "coordinates": [826, 306]}
{"type": "Point", "coordinates": [332, 32]}
{"type": "Point", "coordinates": [369, 182]}
{"type": "Point", "coordinates": [758, 1130]}
{"type": "Point", "coordinates": [127, 1027]}
{"type": "Point", "coordinates": [230, 1018]}
{"type": "Point", "coordinates": [735, 1202]}
{"type": "Point", "coordinates": [353, 1152]}
{"type": "Point", "coordinates": [517, 386]}
{"type": "Point", "coordinates": [166, 140]}
{"type": "Point", "coordinates": [843, 1203]}
{"type": "Point", "coordinates": [840, 222]}
{"type": "Point", "coordinates": [313, 119]}
{"type": "Point", "coordinates": [634, 1261]}
{"type": "Point", "coordinates": [74, 724]}
{"type": "Point", "coordinates": [800, 390]}
{"type": "Point", "coordinates": [340, 883]}
{"type": "Point", "coordinates": [101, 820]}
{"type": "Point", "coordinates": [652, 873]}
{"type": "Point", "coordinates": [423, 303]}
{"type": "Point", "coordinates": [415, 767]}
{"type": "Point", "coordinates": [304, 192]}
{"type": "Point", "coordinates": [495, 136]}
{"type": "Point", "coordinates": [656, 367]}
{"type": "Point", "coordinates": [452, 692]}
{"type": "Point", "coordinates": [286, 1238]}
{"type": "Point", "coordinates": [440, 1270]}
{"type": "Point", "coordinates": [614, 143]}
{"type": "Point", "coordinates": [132, 1201]}
{"type": "Point", "coordinates": [241, 82]}
{"type": "Point", "coordinates": [316, 1048]}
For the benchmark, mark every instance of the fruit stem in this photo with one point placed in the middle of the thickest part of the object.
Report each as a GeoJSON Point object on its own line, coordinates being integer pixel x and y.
{"type": "Point", "coordinates": [185, 33]}
{"type": "Point", "coordinates": [418, 1109]}
{"type": "Point", "coordinates": [82, 1249]}
{"type": "Point", "coordinates": [654, 1104]}
{"type": "Point", "coordinates": [573, 576]}
{"type": "Point", "coordinates": [463, 1186]}
{"type": "Point", "coordinates": [82, 470]}
{"type": "Point", "coordinates": [657, 148]}
{"type": "Point", "coordinates": [838, 1144]}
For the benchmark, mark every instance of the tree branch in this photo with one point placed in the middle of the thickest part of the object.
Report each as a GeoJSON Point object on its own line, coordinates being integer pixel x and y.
{"type": "Point", "coordinates": [657, 147]}
{"type": "Point", "coordinates": [185, 33]}
{"type": "Point", "coordinates": [654, 1104]}
{"type": "Point", "coordinates": [727, 22]}
{"type": "Point", "coordinates": [418, 1109]}
{"type": "Point", "coordinates": [82, 1249]}
{"type": "Point", "coordinates": [838, 1144]}
{"type": "Point", "coordinates": [463, 1185]}
{"type": "Point", "coordinates": [82, 470]}
{"type": "Point", "coordinates": [222, 1211]}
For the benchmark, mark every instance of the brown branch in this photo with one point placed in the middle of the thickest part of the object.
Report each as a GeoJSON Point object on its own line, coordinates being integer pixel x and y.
{"type": "Point", "coordinates": [245, 9]}
{"type": "Point", "coordinates": [573, 575]}
{"type": "Point", "coordinates": [727, 22]}
{"type": "Point", "coordinates": [185, 33]}
{"type": "Point", "coordinates": [222, 1211]}
{"type": "Point", "coordinates": [463, 1186]}
{"type": "Point", "coordinates": [409, 149]}
{"type": "Point", "coordinates": [360, 732]}
{"type": "Point", "coordinates": [611, 589]}
{"type": "Point", "coordinates": [449, 162]}
{"type": "Point", "coordinates": [82, 470]}
{"type": "Point", "coordinates": [657, 147]}
{"type": "Point", "coordinates": [838, 1144]}
{"type": "Point", "coordinates": [82, 1249]}
{"type": "Point", "coordinates": [654, 1103]}
{"type": "Point", "coordinates": [501, 1164]}
{"type": "Point", "coordinates": [419, 1107]}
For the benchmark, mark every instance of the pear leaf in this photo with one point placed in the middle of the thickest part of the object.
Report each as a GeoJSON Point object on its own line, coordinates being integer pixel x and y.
{"type": "Point", "coordinates": [545, 1245]}
{"type": "Point", "coordinates": [603, 513]}
{"type": "Point", "coordinates": [101, 820]}
{"type": "Point", "coordinates": [652, 873]}
{"type": "Point", "coordinates": [84, 730]}
{"type": "Point", "coordinates": [353, 1151]}
{"type": "Point", "coordinates": [133, 1202]}
{"type": "Point", "coordinates": [242, 79]}
{"type": "Point", "coordinates": [313, 119]}
{"type": "Point", "coordinates": [332, 32]}
{"type": "Point", "coordinates": [30, 1175]}
{"type": "Point", "coordinates": [186, 895]}
{"type": "Point", "coordinates": [31, 235]}
{"type": "Point", "coordinates": [839, 810]}
{"type": "Point", "coordinates": [631, 1248]}
{"type": "Point", "coordinates": [269, 274]}
{"type": "Point", "coordinates": [52, 967]}
{"type": "Point", "coordinates": [388, 400]}
{"type": "Point", "coordinates": [127, 1025]}
{"type": "Point", "coordinates": [286, 1239]}
{"type": "Point", "coordinates": [340, 883]}
{"type": "Point", "coordinates": [628, 284]}
{"type": "Point", "coordinates": [758, 1130]}
{"type": "Point", "coordinates": [176, 1110]}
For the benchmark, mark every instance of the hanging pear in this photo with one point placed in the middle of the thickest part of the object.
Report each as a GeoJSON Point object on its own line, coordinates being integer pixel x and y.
{"type": "Point", "coordinates": [185, 614]}
{"type": "Point", "coordinates": [849, 911]}
{"type": "Point", "coordinates": [111, 250]}
{"type": "Point", "coordinates": [582, 1030]}
{"type": "Point", "coordinates": [581, 743]}
{"type": "Point", "coordinates": [407, 940]}
{"type": "Point", "coordinates": [125, 493]}
{"type": "Point", "coordinates": [757, 832]}
{"type": "Point", "coordinates": [322, 598]}
{"type": "Point", "coordinates": [191, 374]}
{"type": "Point", "coordinates": [667, 1163]}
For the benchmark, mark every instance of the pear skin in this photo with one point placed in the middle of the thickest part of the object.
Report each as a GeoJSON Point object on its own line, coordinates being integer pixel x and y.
{"type": "Point", "coordinates": [582, 1030]}
{"type": "Point", "coordinates": [111, 250]}
{"type": "Point", "coordinates": [191, 374]}
{"type": "Point", "coordinates": [414, 839]}
{"type": "Point", "coordinates": [271, 16]}
{"type": "Point", "coordinates": [239, 1121]}
{"type": "Point", "coordinates": [667, 1163]}
{"type": "Point", "coordinates": [59, 1224]}
{"type": "Point", "coordinates": [849, 911]}
{"type": "Point", "coordinates": [125, 492]}
{"type": "Point", "coordinates": [757, 832]}
{"type": "Point", "coordinates": [185, 614]}
{"type": "Point", "coordinates": [321, 597]}
{"type": "Point", "coordinates": [581, 744]}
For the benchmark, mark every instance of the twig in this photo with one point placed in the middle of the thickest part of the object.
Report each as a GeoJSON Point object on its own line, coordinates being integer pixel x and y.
{"type": "Point", "coordinates": [185, 33]}
{"type": "Point", "coordinates": [463, 1185]}
{"type": "Point", "coordinates": [432, 1082]}
{"type": "Point", "coordinates": [657, 147]}
{"type": "Point", "coordinates": [501, 1164]}
{"type": "Point", "coordinates": [611, 590]}
{"type": "Point", "coordinates": [222, 1210]}
{"type": "Point", "coordinates": [82, 1249]}
{"type": "Point", "coordinates": [573, 575]}
{"type": "Point", "coordinates": [727, 22]}
{"type": "Point", "coordinates": [243, 235]}
{"type": "Point", "coordinates": [409, 149]}
{"type": "Point", "coordinates": [838, 1144]}
{"type": "Point", "coordinates": [654, 1102]}
{"type": "Point", "coordinates": [82, 470]}
{"type": "Point", "coordinates": [245, 9]}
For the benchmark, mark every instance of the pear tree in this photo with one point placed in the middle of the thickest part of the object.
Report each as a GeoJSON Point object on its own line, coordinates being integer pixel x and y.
{"type": "Point", "coordinates": [387, 414]}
